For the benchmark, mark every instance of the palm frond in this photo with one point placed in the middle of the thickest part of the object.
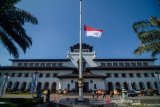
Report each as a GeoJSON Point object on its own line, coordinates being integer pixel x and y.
{"type": "Point", "coordinates": [155, 21]}
{"type": "Point", "coordinates": [7, 4]}
{"type": "Point", "coordinates": [18, 38]}
{"type": "Point", "coordinates": [155, 46]}
{"type": "Point", "coordinates": [140, 25]}
{"type": "Point", "coordinates": [8, 43]}
{"type": "Point", "coordinates": [149, 36]}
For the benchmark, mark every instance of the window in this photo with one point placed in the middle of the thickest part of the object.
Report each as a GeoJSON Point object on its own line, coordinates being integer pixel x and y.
{"type": "Point", "coordinates": [36, 64]}
{"type": "Point", "coordinates": [145, 74]}
{"type": "Point", "coordinates": [130, 74]}
{"type": "Point", "coordinates": [42, 64]}
{"type": "Point", "coordinates": [152, 74]}
{"type": "Point", "coordinates": [72, 81]}
{"type": "Point", "coordinates": [108, 75]}
{"type": "Point", "coordinates": [103, 64]}
{"type": "Point", "coordinates": [54, 64]}
{"type": "Point", "coordinates": [48, 75]}
{"type": "Point", "coordinates": [138, 75]}
{"type": "Point", "coordinates": [26, 75]}
{"type": "Point", "coordinates": [123, 75]}
{"type": "Point", "coordinates": [127, 64]}
{"type": "Point", "coordinates": [68, 86]}
{"type": "Point", "coordinates": [25, 64]}
{"type": "Point", "coordinates": [133, 64]}
{"type": "Point", "coordinates": [55, 75]}
{"type": "Point", "coordinates": [19, 75]}
{"type": "Point", "coordinates": [76, 50]}
{"type": "Point", "coordinates": [116, 75]}
{"type": "Point", "coordinates": [40, 75]}
{"type": "Point", "coordinates": [109, 64]}
{"type": "Point", "coordinates": [145, 64]}
{"type": "Point", "coordinates": [121, 64]}
{"type": "Point", "coordinates": [48, 64]}
{"type": "Point", "coordinates": [60, 64]}
{"type": "Point", "coordinates": [139, 64]}
{"type": "Point", "coordinates": [95, 86]}
{"type": "Point", "coordinates": [85, 50]}
{"type": "Point", "coordinates": [12, 74]}
{"type": "Point", "coordinates": [19, 64]}
{"type": "Point", "coordinates": [31, 64]}
{"type": "Point", "coordinates": [115, 64]}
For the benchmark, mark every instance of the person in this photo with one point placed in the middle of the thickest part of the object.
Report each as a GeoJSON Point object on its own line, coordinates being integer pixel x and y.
{"type": "Point", "coordinates": [104, 94]}
{"type": "Point", "coordinates": [111, 94]}
{"type": "Point", "coordinates": [97, 94]}
{"type": "Point", "coordinates": [48, 95]}
{"type": "Point", "coordinates": [93, 93]}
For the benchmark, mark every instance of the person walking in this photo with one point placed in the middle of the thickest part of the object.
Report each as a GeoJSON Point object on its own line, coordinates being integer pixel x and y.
{"type": "Point", "coordinates": [93, 93]}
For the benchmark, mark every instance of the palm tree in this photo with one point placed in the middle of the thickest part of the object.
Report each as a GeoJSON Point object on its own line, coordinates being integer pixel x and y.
{"type": "Point", "coordinates": [12, 32]}
{"type": "Point", "coordinates": [148, 33]}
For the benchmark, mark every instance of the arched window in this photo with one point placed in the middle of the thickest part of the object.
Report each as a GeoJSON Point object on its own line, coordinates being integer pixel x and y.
{"type": "Point", "coordinates": [54, 85]}
{"type": "Point", "coordinates": [133, 84]}
{"type": "Point", "coordinates": [125, 85]}
{"type": "Point", "coordinates": [23, 86]}
{"type": "Point", "coordinates": [9, 85]}
{"type": "Point", "coordinates": [46, 85]}
{"type": "Point", "coordinates": [39, 86]}
{"type": "Point", "coordinates": [149, 85]}
{"type": "Point", "coordinates": [156, 85]}
{"type": "Point", "coordinates": [141, 86]}
{"type": "Point", "coordinates": [118, 86]}
{"type": "Point", "coordinates": [110, 86]}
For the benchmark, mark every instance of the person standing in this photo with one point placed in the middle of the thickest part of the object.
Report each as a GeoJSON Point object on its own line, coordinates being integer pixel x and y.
{"type": "Point", "coordinates": [104, 94]}
{"type": "Point", "coordinates": [93, 93]}
{"type": "Point", "coordinates": [48, 95]}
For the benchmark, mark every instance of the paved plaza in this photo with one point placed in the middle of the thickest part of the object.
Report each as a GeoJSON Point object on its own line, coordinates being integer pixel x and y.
{"type": "Point", "coordinates": [69, 100]}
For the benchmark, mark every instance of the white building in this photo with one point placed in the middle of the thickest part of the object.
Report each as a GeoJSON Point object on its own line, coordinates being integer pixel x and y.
{"type": "Point", "coordinates": [108, 74]}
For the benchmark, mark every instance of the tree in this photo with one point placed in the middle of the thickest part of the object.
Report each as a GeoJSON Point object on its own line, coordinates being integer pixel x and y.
{"type": "Point", "coordinates": [148, 33]}
{"type": "Point", "coordinates": [12, 32]}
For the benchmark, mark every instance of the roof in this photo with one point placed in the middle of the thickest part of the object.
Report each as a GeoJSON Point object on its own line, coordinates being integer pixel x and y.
{"type": "Point", "coordinates": [125, 68]}
{"type": "Point", "coordinates": [36, 68]}
{"type": "Point", "coordinates": [40, 60]}
{"type": "Point", "coordinates": [84, 46]}
{"type": "Point", "coordinates": [124, 59]}
{"type": "Point", "coordinates": [85, 75]}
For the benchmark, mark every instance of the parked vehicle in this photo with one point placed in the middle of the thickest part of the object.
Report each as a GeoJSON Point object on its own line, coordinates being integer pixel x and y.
{"type": "Point", "coordinates": [132, 93]}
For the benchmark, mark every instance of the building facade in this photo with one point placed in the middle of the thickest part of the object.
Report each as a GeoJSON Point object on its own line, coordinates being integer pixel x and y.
{"type": "Point", "coordinates": [107, 74]}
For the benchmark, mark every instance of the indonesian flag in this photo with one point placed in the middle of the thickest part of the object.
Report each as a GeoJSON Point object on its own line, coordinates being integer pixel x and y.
{"type": "Point", "coordinates": [92, 32]}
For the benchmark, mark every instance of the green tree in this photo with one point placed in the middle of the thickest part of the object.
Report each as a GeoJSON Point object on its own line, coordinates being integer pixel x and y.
{"type": "Point", "coordinates": [148, 33]}
{"type": "Point", "coordinates": [12, 32]}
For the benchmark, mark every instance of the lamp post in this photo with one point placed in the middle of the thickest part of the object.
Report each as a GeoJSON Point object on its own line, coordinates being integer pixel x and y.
{"type": "Point", "coordinates": [158, 81]}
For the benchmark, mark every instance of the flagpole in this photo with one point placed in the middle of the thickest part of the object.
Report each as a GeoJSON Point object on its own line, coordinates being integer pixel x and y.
{"type": "Point", "coordinates": [80, 81]}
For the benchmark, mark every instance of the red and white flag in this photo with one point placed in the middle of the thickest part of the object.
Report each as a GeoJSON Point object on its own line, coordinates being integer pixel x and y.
{"type": "Point", "coordinates": [92, 32]}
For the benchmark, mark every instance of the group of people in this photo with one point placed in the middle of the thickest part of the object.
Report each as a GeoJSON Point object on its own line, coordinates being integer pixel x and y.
{"type": "Point", "coordinates": [96, 94]}
{"type": "Point", "coordinates": [44, 94]}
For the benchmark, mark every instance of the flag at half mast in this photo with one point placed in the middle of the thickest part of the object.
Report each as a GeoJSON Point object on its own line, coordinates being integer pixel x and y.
{"type": "Point", "coordinates": [92, 32]}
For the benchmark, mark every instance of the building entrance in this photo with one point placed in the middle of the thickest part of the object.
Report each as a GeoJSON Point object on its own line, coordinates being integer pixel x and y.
{"type": "Point", "coordinates": [86, 87]}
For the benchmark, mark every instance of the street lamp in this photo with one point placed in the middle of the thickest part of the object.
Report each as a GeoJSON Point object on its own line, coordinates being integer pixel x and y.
{"type": "Point", "coordinates": [80, 83]}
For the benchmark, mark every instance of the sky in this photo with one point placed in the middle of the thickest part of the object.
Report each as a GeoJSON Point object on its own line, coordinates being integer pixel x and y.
{"type": "Point", "coordinates": [58, 27]}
